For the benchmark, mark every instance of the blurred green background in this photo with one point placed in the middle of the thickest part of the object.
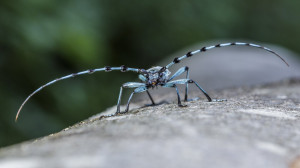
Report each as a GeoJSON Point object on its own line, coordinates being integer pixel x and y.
{"type": "Point", "coordinates": [43, 40]}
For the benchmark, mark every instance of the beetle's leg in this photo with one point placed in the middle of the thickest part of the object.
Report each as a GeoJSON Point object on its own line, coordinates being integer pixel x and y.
{"type": "Point", "coordinates": [153, 103]}
{"type": "Point", "coordinates": [179, 72]}
{"type": "Point", "coordinates": [128, 85]}
{"type": "Point", "coordinates": [144, 79]}
{"type": "Point", "coordinates": [173, 85]}
{"type": "Point", "coordinates": [137, 90]}
{"type": "Point", "coordinates": [203, 91]}
{"type": "Point", "coordinates": [119, 100]}
{"type": "Point", "coordinates": [178, 97]}
{"type": "Point", "coordinates": [184, 81]}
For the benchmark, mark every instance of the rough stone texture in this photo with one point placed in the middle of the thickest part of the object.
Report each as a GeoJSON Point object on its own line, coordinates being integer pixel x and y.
{"type": "Point", "coordinates": [257, 127]}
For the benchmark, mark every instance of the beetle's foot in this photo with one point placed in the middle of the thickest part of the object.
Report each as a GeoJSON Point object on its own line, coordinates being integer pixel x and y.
{"type": "Point", "coordinates": [193, 99]}
{"type": "Point", "coordinates": [219, 100]}
{"type": "Point", "coordinates": [182, 105]}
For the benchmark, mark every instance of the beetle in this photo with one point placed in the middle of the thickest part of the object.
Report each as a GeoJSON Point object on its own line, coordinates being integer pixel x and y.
{"type": "Point", "coordinates": [155, 76]}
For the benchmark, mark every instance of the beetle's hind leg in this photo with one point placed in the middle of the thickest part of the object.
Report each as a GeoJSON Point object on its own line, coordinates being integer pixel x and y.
{"type": "Point", "coordinates": [181, 71]}
{"type": "Point", "coordinates": [185, 81]}
{"type": "Point", "coordinates": [205, 93]}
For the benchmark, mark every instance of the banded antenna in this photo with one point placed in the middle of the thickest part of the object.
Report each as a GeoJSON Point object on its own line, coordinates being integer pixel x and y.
{"type": "Point", "coordinates": [203, 49]}
{"type": "Point", "coordinates": [90, 71]}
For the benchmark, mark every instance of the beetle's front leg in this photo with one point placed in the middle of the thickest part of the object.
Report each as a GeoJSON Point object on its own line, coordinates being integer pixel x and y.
{"type": "Point", "coordinates": [137, 90]}
{"type": "Point", "coordinates": [128, 85]}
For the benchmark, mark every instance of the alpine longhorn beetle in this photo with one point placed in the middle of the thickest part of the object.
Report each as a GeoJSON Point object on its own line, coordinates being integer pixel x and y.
{"type": "Point", "coordinates": [155, 76]}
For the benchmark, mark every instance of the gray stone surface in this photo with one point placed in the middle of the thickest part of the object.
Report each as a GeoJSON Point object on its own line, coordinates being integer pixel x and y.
{"type": "Point", "coordinates": [257, 127]}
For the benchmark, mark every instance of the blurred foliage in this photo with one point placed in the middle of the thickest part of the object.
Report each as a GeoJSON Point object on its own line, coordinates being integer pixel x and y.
{"type": "Point", "coordinates": [43, 40]}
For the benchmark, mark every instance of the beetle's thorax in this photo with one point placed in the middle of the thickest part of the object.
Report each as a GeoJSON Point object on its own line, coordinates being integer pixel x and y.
{"type": "Point", "coordinates": [156, 76]}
